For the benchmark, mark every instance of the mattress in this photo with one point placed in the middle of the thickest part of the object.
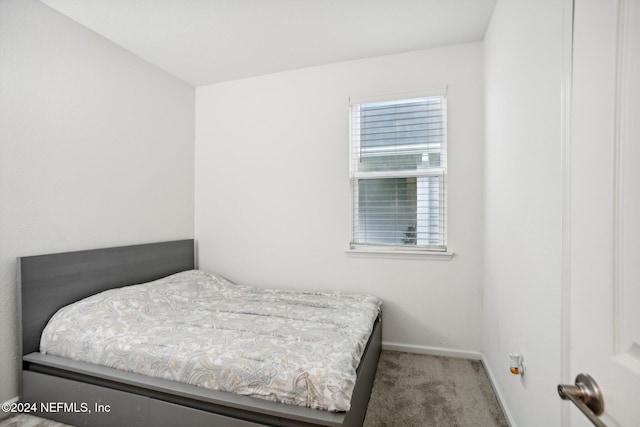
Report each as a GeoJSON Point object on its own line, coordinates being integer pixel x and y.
{"type": "Point", "coordinates": [298, 348]}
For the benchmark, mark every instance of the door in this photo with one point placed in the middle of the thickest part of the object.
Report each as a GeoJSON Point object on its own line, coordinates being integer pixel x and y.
{"type": "Point", "coordinates": [602, 232]}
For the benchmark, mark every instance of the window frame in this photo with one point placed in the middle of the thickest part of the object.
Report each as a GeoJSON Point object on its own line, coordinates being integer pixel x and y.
{"type": "Point", "coordinates": [440, 250]}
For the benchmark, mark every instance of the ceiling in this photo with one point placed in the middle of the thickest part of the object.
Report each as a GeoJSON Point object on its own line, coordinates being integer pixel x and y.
{"type": "Point", "coordinates": [209, 41]}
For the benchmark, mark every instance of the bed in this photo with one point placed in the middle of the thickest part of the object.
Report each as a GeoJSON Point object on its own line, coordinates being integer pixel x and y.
{"type": "Point", "coordinates": [81, 393]}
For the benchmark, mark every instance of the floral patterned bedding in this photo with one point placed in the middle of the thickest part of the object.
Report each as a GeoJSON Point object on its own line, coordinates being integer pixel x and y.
{"type": "Point", "coordinates": [299, 348]}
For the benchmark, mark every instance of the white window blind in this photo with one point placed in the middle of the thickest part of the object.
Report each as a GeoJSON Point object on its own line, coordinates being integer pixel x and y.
{"type": "Point", "coordinates": [398, 173]}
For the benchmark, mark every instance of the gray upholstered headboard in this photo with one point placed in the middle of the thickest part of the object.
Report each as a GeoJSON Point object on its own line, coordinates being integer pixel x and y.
{"type": "Point", "coordinates": [49, 282]}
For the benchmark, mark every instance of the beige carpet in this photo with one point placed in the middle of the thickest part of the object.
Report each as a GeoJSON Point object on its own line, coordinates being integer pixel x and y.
{"type": "Point", "coordinates": [410, 390]}
{"type": "Point", "coordinates": [423, 391]}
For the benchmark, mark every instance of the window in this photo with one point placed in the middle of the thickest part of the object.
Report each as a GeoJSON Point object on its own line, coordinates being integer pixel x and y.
{"type": "Point", "coordinates": [398, 173]}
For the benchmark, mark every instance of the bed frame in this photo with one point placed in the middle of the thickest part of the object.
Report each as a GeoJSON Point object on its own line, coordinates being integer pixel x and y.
{"type": "Point", "coordinates": [83, 394]}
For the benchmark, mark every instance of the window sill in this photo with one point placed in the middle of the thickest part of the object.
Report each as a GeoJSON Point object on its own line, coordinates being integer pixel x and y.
{"type": "Point", "coordinates": [399, 253]}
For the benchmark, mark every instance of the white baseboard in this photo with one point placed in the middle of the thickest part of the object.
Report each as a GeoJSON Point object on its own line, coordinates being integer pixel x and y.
{"type": "Point", "coordinates": [3, 414]}
{"type": "Point", "coordinates": [498, 393]}
{"type": "Point", "coordinates": [433, 351]}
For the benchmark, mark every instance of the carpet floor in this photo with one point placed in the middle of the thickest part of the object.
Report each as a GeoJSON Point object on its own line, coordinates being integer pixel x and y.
{"type": "Point", "coordinates": [410, 390]}
{"type": "Point", "coordinates": [414, 390]}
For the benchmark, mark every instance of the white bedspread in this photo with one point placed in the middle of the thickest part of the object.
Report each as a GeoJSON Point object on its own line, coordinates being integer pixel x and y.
{"type": "Point", "coordinates": [299, 348]}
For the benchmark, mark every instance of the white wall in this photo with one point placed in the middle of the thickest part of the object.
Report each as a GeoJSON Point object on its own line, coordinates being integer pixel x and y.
{"type": "Point", "coordinates": [96, 149]}
{"type": "Point", "coordinates": [272, 190]}
{"type": "Point", "coordinates": [523, 206]}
